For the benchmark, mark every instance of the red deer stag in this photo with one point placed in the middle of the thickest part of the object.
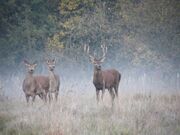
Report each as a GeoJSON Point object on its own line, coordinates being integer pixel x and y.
{"type": "Point", "coordinates": [54, 81]}
{"type": "Point", "coordinates": [31, 84]}
{"type": "Point", "coordinates": [104, 79]}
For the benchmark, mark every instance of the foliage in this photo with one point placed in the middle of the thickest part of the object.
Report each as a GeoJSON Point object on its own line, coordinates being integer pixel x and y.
{"type": "Point", "coordinates": [139, 33]}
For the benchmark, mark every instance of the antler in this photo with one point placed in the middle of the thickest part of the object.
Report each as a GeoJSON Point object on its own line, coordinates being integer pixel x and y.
{"type": "Point", "coordinates": [92, 58]}
{"type": "Point", "coordinates": [86, 49]}
{"type": "Point", "coordinates": [104, 49]}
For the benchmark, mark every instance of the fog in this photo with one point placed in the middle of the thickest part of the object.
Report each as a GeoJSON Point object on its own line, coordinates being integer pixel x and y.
{"type": "Point", "coordinates": [78, 78]}
{"type": "Point", "coordinates": [142, 39]}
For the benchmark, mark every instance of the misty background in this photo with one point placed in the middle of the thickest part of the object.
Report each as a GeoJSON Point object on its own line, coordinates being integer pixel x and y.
{"type": "Point", "coordinates": [142, 36]}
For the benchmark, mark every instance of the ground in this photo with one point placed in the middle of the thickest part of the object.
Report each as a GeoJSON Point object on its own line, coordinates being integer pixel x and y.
{"type": "Point", "coordinates": [78, 114]}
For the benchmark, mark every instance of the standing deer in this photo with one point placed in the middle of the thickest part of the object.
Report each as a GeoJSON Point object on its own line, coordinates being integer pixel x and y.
{"type": "Point", "coordinates": [104, 79]}
{"type": "Point", "coordinates": [31, 84]}
{"type": "Point", "coordinates": [54, 81]}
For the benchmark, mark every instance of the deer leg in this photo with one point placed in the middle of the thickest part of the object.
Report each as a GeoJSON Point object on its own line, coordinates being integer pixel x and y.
{"type": "Point", "coordinates": [97, 96]}
{"type": "Point", "coordinates": [45, 97]}
{"type": "Point", "coordinates": [50, 97]}
{"type": "Point", "coordinates": [103, 90]}
{"type": "Point", "coordinates": [112, 96]}
{"type": "Point", "coordinates": [27, 98]}
{"type": "Point", "coordinates": [102, 96]}
{"type": "Point", "coordinates": [33, 98]}
{"type": "Point", "coordinates": [56, 95]}
{"type": "Point", "coordinates": [116, 90]}
{"type": "Point", "coordinates": [41, 96]}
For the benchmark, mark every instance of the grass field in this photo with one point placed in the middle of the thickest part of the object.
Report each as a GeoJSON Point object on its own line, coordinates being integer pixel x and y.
{"type": "Point", "coordinates": [78, 114]}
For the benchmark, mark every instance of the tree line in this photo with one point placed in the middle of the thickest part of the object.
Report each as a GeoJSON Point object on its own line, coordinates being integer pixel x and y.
{"type": "Point", "coordinates": [139, 34]}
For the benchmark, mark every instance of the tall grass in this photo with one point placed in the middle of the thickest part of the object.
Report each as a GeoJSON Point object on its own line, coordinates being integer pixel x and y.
{"type": "Point", "coordinates": [77, 114]}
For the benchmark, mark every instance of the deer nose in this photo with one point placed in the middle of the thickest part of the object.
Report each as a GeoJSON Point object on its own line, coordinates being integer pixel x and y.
{"type": "Point", "coordinates": [31, 70]}
{"type": "Point", "coordinates": [99, 66]}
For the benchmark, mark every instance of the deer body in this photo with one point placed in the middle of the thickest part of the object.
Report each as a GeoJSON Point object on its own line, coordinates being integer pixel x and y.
{"type": "Point", "coordinates": [31, 86]}
{"type": "Point", "coordinates": [106, 79]}
{"type": "Point", "coordinates": [54, 81]}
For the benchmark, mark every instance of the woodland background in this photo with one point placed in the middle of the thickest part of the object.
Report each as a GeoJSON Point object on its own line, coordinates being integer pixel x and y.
{"type": "Point", "coordinates": [143, 36]}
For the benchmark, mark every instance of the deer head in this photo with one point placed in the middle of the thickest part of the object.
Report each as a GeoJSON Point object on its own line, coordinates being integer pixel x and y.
{"type": "Point", "coordinates": [30, 67]}
{"type": "Point", "coordinates": [51, 64]}
{"type": "Point", "coordinates": [96, 61]}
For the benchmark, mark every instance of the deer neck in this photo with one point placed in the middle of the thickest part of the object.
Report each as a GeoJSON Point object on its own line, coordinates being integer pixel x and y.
{"type": "Point", "coordinates": [29, 75]}
{"type": "Point", "coordinates": [51, 75]}
{"type": "Point", "coordinates": [97, 76]}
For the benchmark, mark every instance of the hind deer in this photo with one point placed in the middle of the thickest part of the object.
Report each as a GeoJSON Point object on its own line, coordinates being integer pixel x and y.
{"type": "Point", "coordinates": [54, 81]}
{"type": "Point", "coordinates": [104, 79]}
{"type": "Point", "coordinates": [33, 85]}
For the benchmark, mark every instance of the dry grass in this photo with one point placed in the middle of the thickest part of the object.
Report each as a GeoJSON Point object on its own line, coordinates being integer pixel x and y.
{"type": "Point", "coordinates": [76, 114]}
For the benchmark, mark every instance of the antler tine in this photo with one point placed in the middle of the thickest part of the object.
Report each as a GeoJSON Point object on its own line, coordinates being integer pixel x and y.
{"type": "Point", "coordinates": [86, 49]}
{"type": "Point", "coordinates": [104, 49]}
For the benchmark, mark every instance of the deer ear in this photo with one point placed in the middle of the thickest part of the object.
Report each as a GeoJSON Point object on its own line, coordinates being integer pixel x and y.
{"type": "Point", "coordinates": [35, 62]}
{"type": "Point", "coordinates": [26, 62]}
{"type": "Point", "coordinates": [92, 60]}
{"type": "Point", "coordinates": [35, 65]}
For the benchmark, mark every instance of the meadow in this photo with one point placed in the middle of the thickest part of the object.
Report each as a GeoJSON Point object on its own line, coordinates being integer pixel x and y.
{"type": "Point", "coordinates": [76, 113]}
